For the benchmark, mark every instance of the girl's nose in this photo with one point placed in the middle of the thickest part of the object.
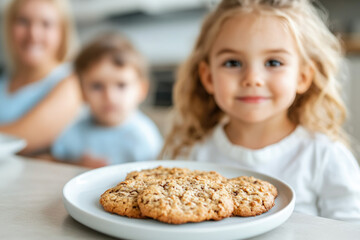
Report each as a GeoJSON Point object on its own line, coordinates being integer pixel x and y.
{"type": "Point", "coordinates": [252, 78]}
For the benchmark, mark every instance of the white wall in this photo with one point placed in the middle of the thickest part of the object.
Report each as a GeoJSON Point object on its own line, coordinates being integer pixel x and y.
{"type": "Point", "coordinates": [353, 92]}
{"type": "Point", "coordinates": [163, 40]}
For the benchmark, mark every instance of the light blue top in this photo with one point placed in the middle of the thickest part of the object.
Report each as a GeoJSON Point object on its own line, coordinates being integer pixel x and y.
{"type": "Point", "coordinates": [15, 105]}
{"type": "Point", "coordinates": [137, 139]}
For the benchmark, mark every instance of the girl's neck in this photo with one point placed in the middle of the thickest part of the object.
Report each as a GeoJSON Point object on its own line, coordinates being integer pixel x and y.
{"type": "Point", "coordinates": [258, 135]}
{"type": "Point", "coordinates": [24, 74]}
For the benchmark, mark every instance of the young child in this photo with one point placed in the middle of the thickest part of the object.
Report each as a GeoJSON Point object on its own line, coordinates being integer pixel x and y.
{"type": "Point", "coordinates": [113, 78]}
{"type": "Point", "coordinates": [260, 90]}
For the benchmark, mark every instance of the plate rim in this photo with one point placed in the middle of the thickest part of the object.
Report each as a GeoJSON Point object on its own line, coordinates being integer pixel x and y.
{"type": "Point", "coordinates": [172, 228]}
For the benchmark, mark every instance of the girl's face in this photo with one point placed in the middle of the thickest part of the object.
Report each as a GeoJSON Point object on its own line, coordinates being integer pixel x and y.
{"type": "Point", "coordinates": [254, 69]}
{"type": "Point", "coordinates": [36, 33]}
{"type": "Point", "coordinates": [112, 92]}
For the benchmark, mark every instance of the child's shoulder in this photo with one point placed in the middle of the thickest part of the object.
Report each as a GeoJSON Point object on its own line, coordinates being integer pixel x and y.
{"type": "Point", "coordinates": [324, 145]}
{"type": "Point", "coordinates": [143, 123]}
{"type": "Point", "coordinates": [315, 137]}
{"type": "Point", "coordinates": [81, 124]}
{"type": "Point", "coordinates": [142, 128]}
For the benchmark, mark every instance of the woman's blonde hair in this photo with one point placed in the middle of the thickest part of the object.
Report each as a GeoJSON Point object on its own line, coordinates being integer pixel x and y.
{"type": "Point", "coordinates": [319, 109]}
{"type": "Point", "coordinates": [68, 44]}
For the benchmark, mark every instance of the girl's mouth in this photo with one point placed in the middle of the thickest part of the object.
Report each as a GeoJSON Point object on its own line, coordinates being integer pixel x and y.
{"type": "Point", "coordinates": [252, 99]}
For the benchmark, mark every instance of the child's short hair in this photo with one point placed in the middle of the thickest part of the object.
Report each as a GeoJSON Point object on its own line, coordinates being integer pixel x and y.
{"type": "Point", "coordinates": [114, 47]}
{"type": "Point", "coordinates": [319, 109]}
{"type": "Point", "coordinates": [68, 44]}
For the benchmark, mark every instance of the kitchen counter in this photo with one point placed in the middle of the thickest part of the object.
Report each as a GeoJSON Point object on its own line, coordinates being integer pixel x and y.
{"type": "Point", "coordinates": [31, 208]}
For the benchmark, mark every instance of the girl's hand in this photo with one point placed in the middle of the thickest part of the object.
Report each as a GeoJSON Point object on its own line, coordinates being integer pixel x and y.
{"type": "Point", "coordinates": [90, 161]}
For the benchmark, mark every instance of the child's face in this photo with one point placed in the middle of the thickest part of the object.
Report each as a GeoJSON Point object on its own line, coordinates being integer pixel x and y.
{"type": "Point", "coordinates": [112, 92]}
{"type": "Point", "coordinates": [36, 33]}
{"type": "Point", "coordinates": [254, 70]}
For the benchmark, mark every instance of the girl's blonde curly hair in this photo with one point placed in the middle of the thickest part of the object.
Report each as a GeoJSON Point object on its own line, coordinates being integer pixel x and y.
{"type": "Point", "coordinates": [319, 109]}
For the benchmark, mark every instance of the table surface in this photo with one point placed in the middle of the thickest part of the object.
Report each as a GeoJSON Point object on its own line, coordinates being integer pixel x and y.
{"type": "Point", "coordinates": [31, 207]}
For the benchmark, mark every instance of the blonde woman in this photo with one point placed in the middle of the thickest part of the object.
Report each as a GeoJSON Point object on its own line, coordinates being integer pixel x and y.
{"type": "Point", "coordinates": [39, 95]}
{"type": "Point", "coordinates": [260, 90]}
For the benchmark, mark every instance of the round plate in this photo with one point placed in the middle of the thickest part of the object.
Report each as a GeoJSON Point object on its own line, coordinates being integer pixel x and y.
{"type": "Point", "coordinates": [81, 199]}
{"type": "Point", "coordinates": [10, 145]}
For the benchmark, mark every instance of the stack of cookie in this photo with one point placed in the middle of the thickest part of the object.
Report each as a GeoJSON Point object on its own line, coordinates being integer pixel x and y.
{"type": "Point", "coordinates": [179, 195]}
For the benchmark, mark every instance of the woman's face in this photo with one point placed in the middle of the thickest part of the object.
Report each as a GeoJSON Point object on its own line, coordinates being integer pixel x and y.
{"type": "Point", "coordinates": [36, 33]}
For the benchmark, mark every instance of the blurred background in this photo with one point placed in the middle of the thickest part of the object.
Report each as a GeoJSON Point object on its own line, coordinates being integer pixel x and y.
{"type": "Point", "coordinates": [165, 31]}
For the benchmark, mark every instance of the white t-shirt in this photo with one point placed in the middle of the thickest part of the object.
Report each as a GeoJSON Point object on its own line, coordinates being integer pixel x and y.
{"type": "Point", "coordinates": [324, 174]}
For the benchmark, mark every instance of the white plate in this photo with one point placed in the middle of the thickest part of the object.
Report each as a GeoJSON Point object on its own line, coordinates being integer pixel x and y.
{"type": "Point", "coordinates": [10, 145]}
{"type": "Point", "coordinates": [81, 199]}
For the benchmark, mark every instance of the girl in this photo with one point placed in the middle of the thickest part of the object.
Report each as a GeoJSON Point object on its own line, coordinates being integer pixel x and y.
{"type": "Point", "coordinates": [260, 91]}
{"type": "Point", "coordinates": [38, 94]}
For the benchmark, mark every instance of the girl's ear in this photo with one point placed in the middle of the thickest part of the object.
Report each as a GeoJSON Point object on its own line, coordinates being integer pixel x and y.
{"type": "Point", "coordinates": [205, 77]}
{"type": "Point", "coordinates": [305, 79]}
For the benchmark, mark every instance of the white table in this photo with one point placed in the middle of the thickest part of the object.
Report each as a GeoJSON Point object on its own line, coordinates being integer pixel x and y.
{"type": "Point", "coordinates": [31, 207]}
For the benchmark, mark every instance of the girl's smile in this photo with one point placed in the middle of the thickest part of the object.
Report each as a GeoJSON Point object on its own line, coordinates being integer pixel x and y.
{"type": "Point", "coordinates": [253, 99]}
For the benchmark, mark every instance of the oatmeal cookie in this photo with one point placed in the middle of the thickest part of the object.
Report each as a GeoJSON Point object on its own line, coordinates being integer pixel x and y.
{"type": "Point", "coordinates": [251, 196]}
{"type": "Point", "coordinates": [164, 173]}
{"type": "Point", "coordinates": [158, 173]}
{"type": "Point", "coordinates": [187, 199]}
{"type": "Point", "coordinates": [122, 199]}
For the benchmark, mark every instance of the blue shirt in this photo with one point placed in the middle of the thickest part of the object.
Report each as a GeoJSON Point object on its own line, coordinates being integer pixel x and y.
{"type": "Point", "coordinates": [15, 105]}
{"type": "Point", "coordinates": [136, 139]}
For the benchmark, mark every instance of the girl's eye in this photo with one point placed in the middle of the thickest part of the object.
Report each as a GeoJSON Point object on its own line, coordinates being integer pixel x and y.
{"type": "Point", "coordinates": [273, 63]}
{"type": "Point", "coordinates": [232, 63]}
